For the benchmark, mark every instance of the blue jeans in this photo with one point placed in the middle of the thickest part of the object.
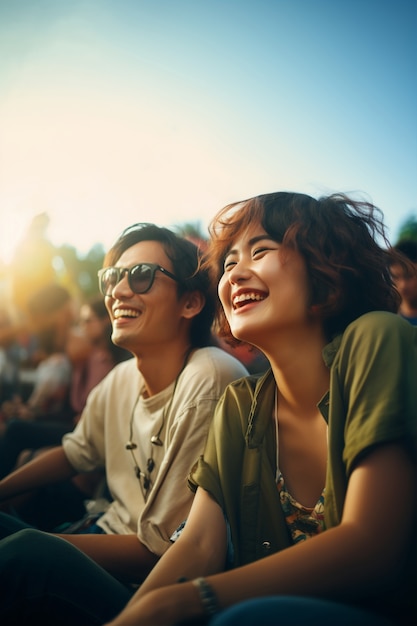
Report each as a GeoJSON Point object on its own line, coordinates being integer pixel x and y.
{"type": "Point", "coordinates": [46, 580]}
{"type": "Point", "coordinates": [295, 611]}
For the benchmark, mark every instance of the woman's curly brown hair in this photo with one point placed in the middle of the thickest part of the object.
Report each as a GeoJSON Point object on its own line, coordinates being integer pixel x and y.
{"type": "Point", "coordinates": [338, 238]}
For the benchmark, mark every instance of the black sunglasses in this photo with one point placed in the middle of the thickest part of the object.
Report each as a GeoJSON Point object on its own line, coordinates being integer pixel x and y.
{"type": "Point", "coordinates": [140, 277]}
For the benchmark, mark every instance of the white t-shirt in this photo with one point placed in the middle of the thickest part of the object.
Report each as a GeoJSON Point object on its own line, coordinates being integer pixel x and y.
{"type": "Point", "coordinates": [99, 441]}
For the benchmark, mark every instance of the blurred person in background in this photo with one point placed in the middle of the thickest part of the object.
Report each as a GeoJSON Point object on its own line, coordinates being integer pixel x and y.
{"type": "Point", "coordinates": [51, 315]}
{"type": "Point", "coordinates": [405, 279]}
{"type": "Point", "coordinates": [32, 264]}
{"type": "Point", "coordinates": [9, 356]}
{"type": "Point", "coordinates": [19, 354]}
{"type": "Point", "coordinates": [92, 355]}
{"type": "Point", "coordinates": [99, 356]}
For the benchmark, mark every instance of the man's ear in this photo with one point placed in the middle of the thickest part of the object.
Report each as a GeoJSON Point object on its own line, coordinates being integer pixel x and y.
{"type": "Point", "coordinates": [194, 302]}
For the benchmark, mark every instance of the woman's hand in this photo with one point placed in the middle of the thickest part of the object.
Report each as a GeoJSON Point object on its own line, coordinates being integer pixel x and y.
{"type": "Point", "coordinates": [200, 551]}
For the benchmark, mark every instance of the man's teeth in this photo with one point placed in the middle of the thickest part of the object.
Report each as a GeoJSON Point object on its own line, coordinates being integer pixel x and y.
{"type": "Point", "coordinates": [244, 297]}
{"type": "Point", "coordinates": [125, 313]}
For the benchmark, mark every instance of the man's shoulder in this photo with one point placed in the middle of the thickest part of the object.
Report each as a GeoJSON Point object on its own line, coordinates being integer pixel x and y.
{"type": "Point", "coordinates": [219, 360]}
{"type": "Point", "coordinates": [120, 385]}
{"type": "Point", "coordinates": [209, 371]}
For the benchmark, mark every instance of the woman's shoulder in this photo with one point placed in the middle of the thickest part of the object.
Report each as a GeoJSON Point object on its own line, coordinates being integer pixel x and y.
{"type": "Point", "coordinates": [381, 323]}
{"type": "Point", "coordinates": [379, 319]}
{"type": "Point", "coordinates": [376, 331]}
{"type": "Point", "coordinates": [377, 335]}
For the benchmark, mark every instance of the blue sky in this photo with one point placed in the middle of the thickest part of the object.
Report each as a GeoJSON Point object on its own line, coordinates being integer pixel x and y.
{"type": "Point", "coordinates": [118, 111]}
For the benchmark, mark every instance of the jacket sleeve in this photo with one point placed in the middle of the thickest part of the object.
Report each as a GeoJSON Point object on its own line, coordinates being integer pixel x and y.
{"type": "Point", "coordinates": [377, 371]}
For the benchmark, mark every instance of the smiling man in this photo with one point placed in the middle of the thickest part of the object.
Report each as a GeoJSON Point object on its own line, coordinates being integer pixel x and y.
{"type": "Point", "coordinates": [145, 424]}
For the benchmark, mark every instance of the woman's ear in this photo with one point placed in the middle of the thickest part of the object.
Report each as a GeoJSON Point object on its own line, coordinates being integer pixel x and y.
{"type": "Point", "coordinates": [194, 302]}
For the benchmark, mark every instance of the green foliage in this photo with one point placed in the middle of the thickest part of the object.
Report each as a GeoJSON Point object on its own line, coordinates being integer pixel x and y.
{"type": "Point", "coordinates": [191, 231]}
{"type": "Point", "coordinates": [81, 271]}
{"type": "Point", "coordinates": [408, 229]}
{"type": "Point", "coordinates": [194, 233]}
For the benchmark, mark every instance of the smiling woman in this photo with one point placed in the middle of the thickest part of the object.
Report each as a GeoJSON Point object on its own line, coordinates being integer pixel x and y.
{"type": "Point", "coordinates": [281, 287]}
{"type": "Point", "coordinates": [294, 222]}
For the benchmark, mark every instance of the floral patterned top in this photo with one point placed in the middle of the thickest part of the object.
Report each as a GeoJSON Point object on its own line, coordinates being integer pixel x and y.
{"type": "Point", "coordinates": [302, 522]}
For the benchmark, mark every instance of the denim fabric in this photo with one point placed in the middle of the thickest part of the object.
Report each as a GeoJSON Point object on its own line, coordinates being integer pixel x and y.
{"type": "Point", "coordinates": [295, 611]}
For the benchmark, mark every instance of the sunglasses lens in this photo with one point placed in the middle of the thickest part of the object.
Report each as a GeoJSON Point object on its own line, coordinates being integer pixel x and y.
{"type": "Point", "coordinates": [140, 278]}
{"type": "Point", "coordinates": [108, 281]}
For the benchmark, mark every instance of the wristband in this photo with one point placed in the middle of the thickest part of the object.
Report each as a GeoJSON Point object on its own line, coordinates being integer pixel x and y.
{"type": "Point", "coordinates": [208, 598]}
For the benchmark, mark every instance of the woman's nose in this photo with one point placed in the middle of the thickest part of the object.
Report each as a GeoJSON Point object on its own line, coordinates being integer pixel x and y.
{"type": "Point", "coordinates": [239, 271]}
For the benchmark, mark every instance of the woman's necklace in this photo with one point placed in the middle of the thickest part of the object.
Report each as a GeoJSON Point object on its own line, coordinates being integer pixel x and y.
{"type": "Point", "coordinates": [144, 477]}
{"type": "Point", "coordinates": [277, 472]}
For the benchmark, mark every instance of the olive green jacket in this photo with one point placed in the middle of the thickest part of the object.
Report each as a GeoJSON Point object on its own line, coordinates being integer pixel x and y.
{"type": "Point", "coordinates": [372, 400]}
